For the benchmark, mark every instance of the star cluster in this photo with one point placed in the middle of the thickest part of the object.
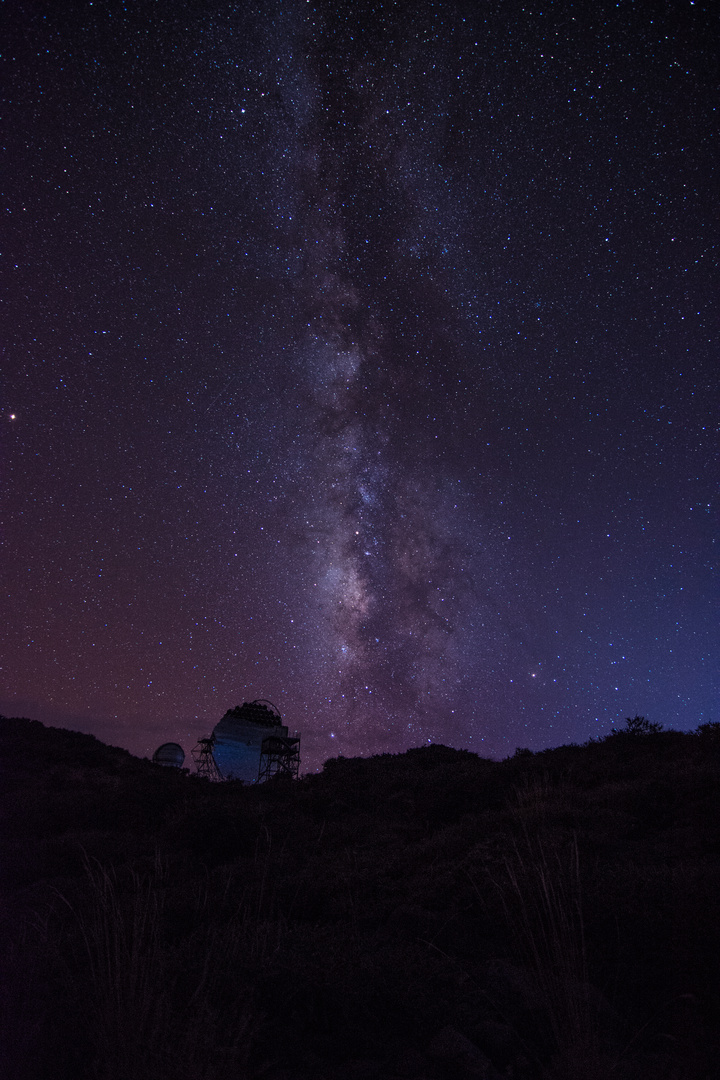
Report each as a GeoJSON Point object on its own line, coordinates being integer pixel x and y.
{"type": "Point", "coordinates": [361, 357]}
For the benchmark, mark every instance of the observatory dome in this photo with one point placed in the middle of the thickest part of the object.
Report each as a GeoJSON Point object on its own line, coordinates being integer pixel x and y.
{"type": "Point", "coordinates": [239, 737]}
{"type": "Point", "coordinates": [170, 753]}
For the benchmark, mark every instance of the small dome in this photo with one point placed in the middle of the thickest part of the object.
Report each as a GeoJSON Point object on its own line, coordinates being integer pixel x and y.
{"type": "Point", "coordinates": [169, 754]}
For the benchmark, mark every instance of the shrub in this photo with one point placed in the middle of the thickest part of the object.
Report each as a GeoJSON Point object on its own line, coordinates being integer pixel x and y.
{"type": "Point", "coordinates": [637, 725]}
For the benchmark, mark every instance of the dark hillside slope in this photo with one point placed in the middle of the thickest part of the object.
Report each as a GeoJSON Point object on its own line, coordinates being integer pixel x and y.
{"type": "Point", "coordinates": [430, 915]}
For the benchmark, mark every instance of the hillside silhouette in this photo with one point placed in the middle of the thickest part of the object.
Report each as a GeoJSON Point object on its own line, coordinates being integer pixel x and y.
{"type": "Point", "coordinates": [430, 915]}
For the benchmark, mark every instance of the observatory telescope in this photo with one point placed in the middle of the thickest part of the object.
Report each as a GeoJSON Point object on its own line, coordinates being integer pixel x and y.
{"type": "Point", "coordinates": [252, 744]}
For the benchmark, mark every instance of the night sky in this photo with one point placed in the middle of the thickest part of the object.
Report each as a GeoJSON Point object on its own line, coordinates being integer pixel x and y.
{"type": "Point", "coordinates": [361, 357]}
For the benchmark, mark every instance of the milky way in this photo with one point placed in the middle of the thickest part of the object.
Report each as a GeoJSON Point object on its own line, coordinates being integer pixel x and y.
{"type": "Point", "coordinates": [361, 358]}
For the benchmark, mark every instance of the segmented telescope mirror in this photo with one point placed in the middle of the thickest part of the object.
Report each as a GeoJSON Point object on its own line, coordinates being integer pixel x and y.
{"type": "Point", "coordinates": [169, 754]}
{"type": "Point", "coordinates": [238, 738]}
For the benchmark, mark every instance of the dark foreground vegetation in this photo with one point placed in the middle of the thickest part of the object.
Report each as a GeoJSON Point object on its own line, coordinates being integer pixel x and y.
{"type": "Point", "coordinates": [428, 916]}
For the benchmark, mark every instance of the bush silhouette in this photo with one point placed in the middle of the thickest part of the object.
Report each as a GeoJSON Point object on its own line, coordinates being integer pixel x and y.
{"type": "Point", "coordinates": [638, 725]}
{"type": "Point", "coordinates": [711, 730]}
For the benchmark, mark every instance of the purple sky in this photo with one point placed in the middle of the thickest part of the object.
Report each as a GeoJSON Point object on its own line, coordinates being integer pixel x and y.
{"type": "Point", "coordinates": [361, 358]}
